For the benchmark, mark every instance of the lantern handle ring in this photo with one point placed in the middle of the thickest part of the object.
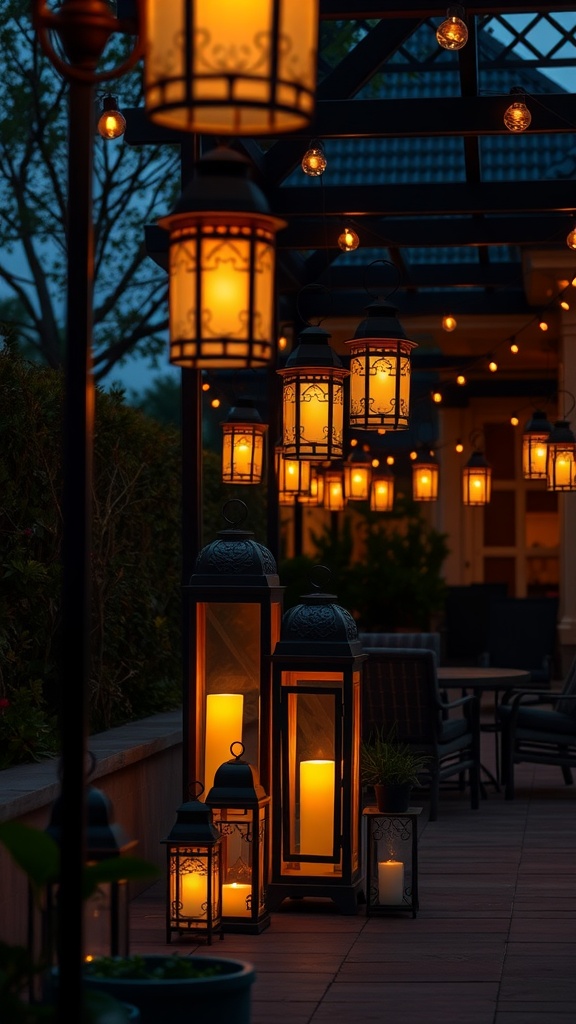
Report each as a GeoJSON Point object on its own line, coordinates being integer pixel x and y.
{"type": "Point", "coordinates": [476, 438]}
{"type": "Point", "coordinates": [237, 743]}
{"type": "Point", "coordinates": [196, 790]}
{"type": "Point", "coordinates": [568, 411]}
{"type": "Point", "coordinates": [393, 288]}
{"type": "Point", "coordinates": [319, 573]}
{"type": "Point", "coordinates": [239, 513]}
{"type": "Point", "coordinates": [308, 287]}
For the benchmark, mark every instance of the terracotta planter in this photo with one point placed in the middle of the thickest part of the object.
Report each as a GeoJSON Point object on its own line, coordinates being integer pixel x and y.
{"type": "Point", "coordinates": [393, 796]}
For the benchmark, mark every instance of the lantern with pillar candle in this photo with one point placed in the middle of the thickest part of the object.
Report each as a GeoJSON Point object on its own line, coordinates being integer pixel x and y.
{"type": "Point", "coordinates": [241, 811]}
{"type": "Point", "coordinates": [316, 679]}
{"type": "Point", "coordinates": [391, 852]}
{"type": "Point", "coordinates": [235, 607]}
{"type": "Point", "coordinates": [194, 873]}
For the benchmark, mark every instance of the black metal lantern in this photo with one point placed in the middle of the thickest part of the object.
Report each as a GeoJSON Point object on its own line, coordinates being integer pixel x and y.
{"type": "Point", "coordinates": [476, 480]}
{"type": "Point", "coordinates": [534, 450]}
{"type": "Point", "coordinates": [357, 476]}
{"type": "Point", "coordinates": [425, 474]}
{"type": "Point", "coordinates": [243, 444]}
{"type": "Point", "coordinates": [561, 458]}
{"type": "Point", "coordinates": [316, 674]}
{"type": "Point", "coordinates": [241, 812]}
{"type": "Point", "coordinates": [235, 607]}
{"type": "Point", "coordinates": [380, 371]}
{"type": "Point", "coordinates": [106, 930]}
{"type": "Point", "coordinates": [194, 874]}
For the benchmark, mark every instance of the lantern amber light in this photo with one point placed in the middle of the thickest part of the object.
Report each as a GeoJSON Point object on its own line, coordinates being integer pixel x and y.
{"type": "Point", "coordinates": [425, 476]}
{"type": "Point", "coordinates": [476, 480]}
{"type": "Point", "coordinates": [231, 69]}
{"type": "Point", "coordinates": [534, 449]}
{"type": "Point", "coordinates": [380, 371]}
{"type": "Point", "coordinates": [243, 444]}
{"type": "Point", "coordinates": [382, 492]}
{"type": "Point", "coordinates": [313, 399]}
{"type": "Point", "coordinates": [561, 458]}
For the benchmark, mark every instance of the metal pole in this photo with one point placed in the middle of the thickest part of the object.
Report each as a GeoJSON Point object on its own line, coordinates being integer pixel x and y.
{"type": "Point", "coordinates": [76, 545]}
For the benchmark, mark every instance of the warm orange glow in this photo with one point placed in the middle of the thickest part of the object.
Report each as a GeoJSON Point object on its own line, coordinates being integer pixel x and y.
{"type": "Point", "coordinates": [425, 478]}
{"type": "Point", "coordinates": [243, 452]}
{"type": "Point", "coordinates": [292, 476]}
{"type": "Point", "coordinates": [514, 347]}
{"type": "Point", "coordinates": [111, 124]}
{"type": "Point", "coordinates": [543, 325]}
{"type": "Point", "coordinates": [517, 117]}
{"type": "Point", "coordinates": [492, 366]}
{"type": "Point", "coordinates": [348, 240]}
{"type": "Point", "coordinates": [564, 305]}
{"type": "Point", "coordinates": [390, 460]}
{"type": "Point", "coordinates": [205, 386]}
{"type": "Point", "coordinates": [571, 239]}
{"type": "Point", "coordinates": [561, 458]}
{"type": "Point", "coordinates": [452, 33]}
{"type": "Point", "coordinates": [461, 379]}
{"type": "Point", "coordinates": [334, 496]}
{"type": "Point", "coordinates": [382, 493]}
{"type": "Point", "coordinates": [236, 899]}
{"type": "Point", "coordinates": [317, 809]}
{"type": "Point", "coordinates": [282, 343]}
{"type": "Point", "coordinates": [357, 477]}
{"type": "Point", "coordinates": [449, 323]}
{"type": "Point", "coordinates": [437, 397]}
{"type": "Point", "coordinates": [514, 420]}
{"type": "Point", "coordinates": [215, 403]}
{"type": "Point", "coordinates": [231, 69]}
{"type": "Point", "coordinates": [313, 413]}
{"type": "Point", "coordinates": [314, 162]}
{"type": "Point", "coordinates": [459, 447]}
{"type": "Point", "coordinates": [224, 712]}
{"type": "Point", "coordinates": [476, 481]}
{"type": "Point", "coordinates": [380, 383]}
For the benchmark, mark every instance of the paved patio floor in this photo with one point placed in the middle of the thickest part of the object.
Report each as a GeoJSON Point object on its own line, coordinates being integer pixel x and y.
{"type": "Point", "coordinates": [494, 941]}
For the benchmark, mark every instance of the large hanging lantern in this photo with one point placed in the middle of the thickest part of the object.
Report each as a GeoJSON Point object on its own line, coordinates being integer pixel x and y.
{"type": "Point", "coordinates": [334, 496]}
{"type": "Point", "coordinates": [235, 603]}
{"type": "Point", "coordinates": [221, 268]}
{"type": "Point", "coordinates": [561, 458]}
{"type": "Point", "coordinates": [292, 477]}
{"type": "Point", "coordinates": [313, 399]}
{"type": "Point", "coordinates": [357, 476]}
{"type": "Point", "coordinates": [534, 447]}
{"type": "Point", "coordinates": [194, 874]}
{"type": "Point", "coordinates": [382, 491]}
{"type": "Point", "coordinates": [476, 480]}
{"type": "Point", "coordinates": [243, 444]}
{"type": "Point", "coordinates": [380, 371]}
{"type": "Point", "coordinates": [231, 69]}
{"type": "Point", "coordinates": [317, 673]}
{"type": "Point", "coordinates": [425, 476]}
{"type": "Point", "coordinates": [241, 812]}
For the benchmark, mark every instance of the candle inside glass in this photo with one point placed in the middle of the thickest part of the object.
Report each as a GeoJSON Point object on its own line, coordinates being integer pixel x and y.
{"type": "Point", "coordinates": [224, 713]}
{"type": "Point", "coordinates": [316, 812]}
{"type": "Point", "coordinates": [391, 881]}
{"type": "Point", "coordinates": [193, 894]}
{"type": "Point", "coordinates": [235, 899]}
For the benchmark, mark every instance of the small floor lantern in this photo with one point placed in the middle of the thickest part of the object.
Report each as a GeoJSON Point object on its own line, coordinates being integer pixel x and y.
{"type": "Point", "coordinates": [561, 458]}
{"type": "Point", "coordinates": [317, 671]}
{"type": "Point", "coordinates": [313, 399]}
{"type": "Point", "coordinates": [241, 811]}
{"type": "Point", "coordinates": [476, 480]}
{"type": "Point", "coordinates": [194, 874]}
{"type": "Point", "coordinates": [425, 474]}
{"type": "Point", "coordinates": [380, 371]}
{"type": "Point", "coordinates": [391, 861]}
{"type": "Point", "coordinates": [229, 68]}
{"type": "Point", "coordinates": [243, 444]}
{"type": "Point", "coordinates": [235, 606]}
{"type": "Point", "coordinates": [534, 450]}
{"type": "Point", "coordinates": [222, 249]}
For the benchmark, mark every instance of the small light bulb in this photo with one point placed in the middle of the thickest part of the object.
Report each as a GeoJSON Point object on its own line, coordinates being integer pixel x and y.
{"type": "Point", "coordinates": [459, 447]}
{"type": "Point", "coordinates": [436, 397]}
{"type": "Point", "coordinates": [573, 282]}
{"type": "Point", "coordinates": [492, 366]}
{"type": "Point", "coordinates": [215, 403]}
{"type": "Point", "coordinates": [564, 304]}
{"type": "Point", "coordinates": [514, 347]}
{"type": "Point", "coordinates": [452, 34]}
{"type": "Point", "coordinates": [448, 323]}
{"type": "Point", "coordinates": [205, 386]}
{"type": "Point", "coordinates": [375, 463]}
{"type": "Point", "coordinates": [390, 460]}
{"type": "Point", "coordinates": [517, 117]}
{"type": "Point", "coordinates": [543, 325]}
{"type": "Point", "coordinates": [314, 162]}
{"type": "Point", "coordinates": [348, 240]}
{"type": "Point", "coordinates": [111, 124]}
{"type": "Point", "coordinates": [461, 379]}
{"type": "Point", "coordinates": [514, 420]}
{"type": "Point", "coordinates": [413, 455]}
{"type": "Point", "coordinates": [282, 342]}
{"type": "Point", "coordinates": [571, 239]}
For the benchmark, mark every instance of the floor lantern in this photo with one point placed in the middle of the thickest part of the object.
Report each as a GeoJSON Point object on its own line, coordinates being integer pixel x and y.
{"type": "Point", "coordinates": [317, 672]}
{"type": "Point", "coordinates": [313, 399]}
{"type": "Point", "coordinates": [194, 874]}
{"type": "Point", "coordinates": [476, 480]}
{"type": "Point", "coordinates": [425, 474]}
{"type": "Point", "coordinates": [243, 444]}
{"type": "Point", "coordinates": [235, 607]}
{"type": "Point", "coordinates": [380, 371]}
{"type": "Point", "coordinates": [241, 810]}
{"type": "Point", "coordinates": [534, 450]}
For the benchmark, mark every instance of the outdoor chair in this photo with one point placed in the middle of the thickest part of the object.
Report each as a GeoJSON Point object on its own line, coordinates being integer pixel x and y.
{"type": "Point", "coordinates": [539, 727]}
{"type": "Point", "coordinates": [422, 641]}
{"type": "Point", "coordinates": [400, 692]}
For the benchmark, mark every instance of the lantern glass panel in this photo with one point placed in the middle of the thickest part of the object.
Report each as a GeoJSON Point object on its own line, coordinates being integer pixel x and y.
{"type": "Point", "coordinates": [534, 453]}
{"type": "Point", "coordinates": [244, 833]}
{"type": "Point", "coordinates": [561, 467]}
{"type": "Point", "coordinates": [313, 414]}
{"type": "Point", "coordinates": [425, 482]}
{"type": "Point", "coordinates": [476, 485]}
{"type": "Point", "coordinates": [194, 879]}
{"type": "Point", "coordinates": [382, 494]}
{"type": "Point", "coordinates": [242, 453]}
{"type": "Point", "coordinates": [229, 664]}
{"type": "Point", "coordinates": [380, 385]}
{"type": "Point", "coordinates": [246, 69]}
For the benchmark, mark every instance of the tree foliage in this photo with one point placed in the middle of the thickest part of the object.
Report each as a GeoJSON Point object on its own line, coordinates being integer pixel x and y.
{"type": "Point", "coordinates": [133, 186]}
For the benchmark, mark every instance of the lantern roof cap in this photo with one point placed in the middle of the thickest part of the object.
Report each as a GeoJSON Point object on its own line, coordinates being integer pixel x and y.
{"type": "Point", "coordinates": [236, 782]}
{"type": "Point", "coordinates": [104, 837]}
{"type": "Point", "coordinates": [380, 321]}
{"type": "Point", "coordinates": [235, 559]}
{"type": "Point", "coordinates": [538, 422]}
{"type": "Point", "coordinates": [244, 411]}
{"type": "Point", "coordinates": [313, 349]}
{"type": "Point", "coordinates": [318, 626]}
{"type": "Point", "coordinates": [193, 824]}
{"type": "Point", "coordinates": [561, 433]}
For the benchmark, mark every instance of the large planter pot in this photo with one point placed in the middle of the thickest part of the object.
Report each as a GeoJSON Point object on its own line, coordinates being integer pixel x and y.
{"type": "Point", "coordinates": [218, 999]}
{"type": "Point", "coordinates": [393, 796]}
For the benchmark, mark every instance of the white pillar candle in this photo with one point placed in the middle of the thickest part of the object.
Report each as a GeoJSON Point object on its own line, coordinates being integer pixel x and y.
{"type": "Point", "coordinates": [317, 807]}
{"type": "Point", "coordinates": [224, 713]}
{"type": "Point", "coordinates": [234, 900]}
{"type": "Point", "coordinates": [390, 881]}
{"type": "Point", "coordinates": [193, 894]}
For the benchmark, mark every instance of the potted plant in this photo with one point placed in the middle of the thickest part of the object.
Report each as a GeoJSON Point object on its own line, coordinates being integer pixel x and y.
{"type": "Point", "coordinates": [392, 768]}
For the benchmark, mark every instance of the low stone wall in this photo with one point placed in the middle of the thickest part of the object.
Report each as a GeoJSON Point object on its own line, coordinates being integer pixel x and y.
{"type": "Point", "coordinates": [138, 766]}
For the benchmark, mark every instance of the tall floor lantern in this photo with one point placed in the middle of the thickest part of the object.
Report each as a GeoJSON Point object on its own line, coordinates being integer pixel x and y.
{"type": "Point", "coordinates": [317, 673]}
{"type": "Point", "coordinates": [235, 609]}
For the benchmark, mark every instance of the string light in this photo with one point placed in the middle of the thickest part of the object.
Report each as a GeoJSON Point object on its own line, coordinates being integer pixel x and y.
{"type": "Point", "coordinates": [571, 238]}
{"type": "Point", "coordinates": [449, 323]}
{"type": "Point", "coordinates": [461, 380]}
{"type": "Point", "coordinates": [206, 385]}
{"type": "Point", "coordinates": [452, 34]}
{"type": "Point", "coordinates": [389, 460]}
{"type": "Point", "coordinates": [514, 347]}
{"type": "Point", "coordinates": [111, 124]}
{"type": "Point", "coordinates": [564, 305]}
{"type": "Point", "coordinates": [314, 161]}
{"type": "Point", "coordinates": [348, 240]}
{"type": "Point", "coordinates": [437, 397]}
{"type": "Point", "coordinates": [517, 117]}
{"type": "Point", "coordinates": [215, 403]}
{"type": "Point", "coordinates": [459, 447]}
{"type": "Point", "coordinates": [514, 420]}
{"type": "Point", "coordinates": [492, 365]}
{"type": "Point", "coordinates": [543, 325]}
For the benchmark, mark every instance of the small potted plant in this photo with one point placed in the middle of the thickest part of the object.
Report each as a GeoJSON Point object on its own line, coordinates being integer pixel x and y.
{"type": "Point", "coordinates": [392, 768]}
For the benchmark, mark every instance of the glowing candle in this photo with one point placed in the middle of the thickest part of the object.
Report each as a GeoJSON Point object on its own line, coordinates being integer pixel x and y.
{"type": "Point", "coordinates": [391, 881]}
{"type": "Point", "coordinates": [193, 894]}
{"type": "Point", "coordinates": [317, 807]}
{"type": "Point", "coordinates": [235, 901]}
{"type": "Point", "coordinates": [223, 727]}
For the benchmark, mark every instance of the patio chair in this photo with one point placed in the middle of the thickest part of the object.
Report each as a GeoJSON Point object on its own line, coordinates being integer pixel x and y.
{"type": "Point", "coordinates": [400, 690]}
{"type": "Point", "coordinates": [539, 727]}
{"type": "Point", "coordinates": [424, 641]}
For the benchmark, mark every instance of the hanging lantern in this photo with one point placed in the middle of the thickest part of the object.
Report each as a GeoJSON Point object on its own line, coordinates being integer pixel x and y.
{"type": "Point", "coordinates": [334, 497]}
{"type": "Point", "coordinates": [313, 399]}
{"type": "Point", "coordinates": [317, 673]}
{"type": "Point", "coordinates": [106, 927]}
{"type": "Point", "coordinates": [243, 444]}
{"type": "Point", "coordinates": [221, 268]}
{"type": "Point", "coordinates": [380, 371]}
{"type": "Point", "coordinates": [194, 874]}
{"type": "Point", "coordinates": [534, 449]}
{"type": "Point", "coordinates": [241, 812]}
{"type": "Point", "coordinates": [561, 458]}
{"type": "Point", "coordinates": [382, 492]}
{"type": "Point", "coordinates": [476, 480]}
{"type": "Point", "coordinates": [235, 603]}
{"type": "Point", "coordinates": [315, 493]}
{"type": "Point", "coordinates": [425, 476]}
{"type": "Point", "coordinates": [357, 476]}
{"type": "Point", "coordinates": [292, 476]}
{"type": "Point", "coordinates": [230, 69]}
